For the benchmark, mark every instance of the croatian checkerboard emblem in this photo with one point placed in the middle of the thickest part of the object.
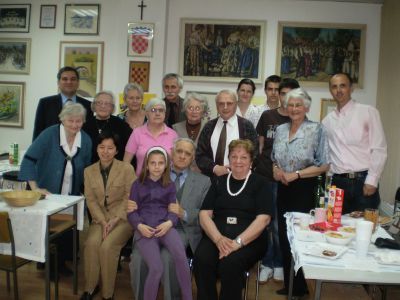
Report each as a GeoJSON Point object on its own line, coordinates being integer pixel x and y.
{"type": "Point", "coordinates": [141, 37]}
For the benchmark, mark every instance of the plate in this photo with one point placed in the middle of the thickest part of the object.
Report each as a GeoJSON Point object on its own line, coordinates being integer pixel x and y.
{"type": "Point", "coordinates": [325, 250]}
{"type": "Point", "coordinates": [385, 220]}
{"type": "Point", "coordinates": [388, 258]}
{"type": "Point", "coordinates": [309, 236]}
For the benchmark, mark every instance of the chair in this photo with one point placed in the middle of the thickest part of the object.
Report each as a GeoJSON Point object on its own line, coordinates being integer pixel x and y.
{"type": "Point", "coordinates": [247, 276]}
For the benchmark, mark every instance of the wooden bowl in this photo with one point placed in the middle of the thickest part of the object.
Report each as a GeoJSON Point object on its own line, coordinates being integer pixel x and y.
{"type": "Point", "coordinates": [20, 198]}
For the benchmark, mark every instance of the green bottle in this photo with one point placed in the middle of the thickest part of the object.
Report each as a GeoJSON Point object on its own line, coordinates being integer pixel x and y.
{"type": "Point", "coordinates": [319, 194]}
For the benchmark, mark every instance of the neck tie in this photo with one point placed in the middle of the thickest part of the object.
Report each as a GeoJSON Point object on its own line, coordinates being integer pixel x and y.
{"type": "Point", "coordinates": [171, 117]}
{"type": "Point", "coordinates": [220, 154]}
{"type": "Point", "coordinates": [178, 181]}
{"type": "Point", "coordinates": [69, 101]}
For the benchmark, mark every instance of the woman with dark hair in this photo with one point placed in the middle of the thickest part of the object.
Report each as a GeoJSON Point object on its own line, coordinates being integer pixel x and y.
{"type": "Point", "coordinates": [107, 186]}
{"type": "Point", "coordinates": [245, 109]}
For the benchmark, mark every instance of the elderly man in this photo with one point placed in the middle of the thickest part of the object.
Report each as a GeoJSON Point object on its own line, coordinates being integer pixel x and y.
{"type": "Point", "coordinates": [50, 107]}
{"type": "Point", "coordinates": [357, 145]}
{"type": "Point", "coordinates": [191, 190]}
{"type": "Point", "coordinates": [212, 147]}
{"type": "Point", "coordinates": [172, 85]}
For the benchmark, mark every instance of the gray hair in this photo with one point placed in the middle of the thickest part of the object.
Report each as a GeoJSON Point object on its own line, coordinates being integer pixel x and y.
{"type": "Point", "coordinates": [133, 87]}
{"type": "Point", "coordinates": [108, 93]}
{"type": "Point", "coordinates": [183, 139]}
{"type": "Point", "coordinates": [232, 94]}
{"type": "Point", "coordinates": [153, 102]}
{"type": "Point", "coordinates": [173, 76]}
{"type": "Point", "coordinates": [72, 110]}
{"type": "Point", "coordinates": [298, 93]}
{"type": "Point", "coordinates": [197, 97]}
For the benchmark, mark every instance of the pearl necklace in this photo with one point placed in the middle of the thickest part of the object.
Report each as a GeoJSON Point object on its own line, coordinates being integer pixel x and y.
{"type": "Point", "coordinates": [241, 189]}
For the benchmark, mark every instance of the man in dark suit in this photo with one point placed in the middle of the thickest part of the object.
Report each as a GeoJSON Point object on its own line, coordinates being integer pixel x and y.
{"type": "Point", "coordinates": [209, 159]}
{"type": "Point", "coordinates": [172, 85]}
{"type": "Point", "coordinates": [49, 107]}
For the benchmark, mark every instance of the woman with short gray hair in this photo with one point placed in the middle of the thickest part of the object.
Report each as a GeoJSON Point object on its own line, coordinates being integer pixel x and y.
{"type": "Point", "coordinates": [134, 115]}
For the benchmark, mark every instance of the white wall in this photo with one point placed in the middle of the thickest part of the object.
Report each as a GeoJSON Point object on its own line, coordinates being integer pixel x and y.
{"type": "Point", "coordinates": [116, 14]}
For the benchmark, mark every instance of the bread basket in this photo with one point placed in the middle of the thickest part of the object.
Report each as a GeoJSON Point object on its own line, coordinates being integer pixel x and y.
{"type": "Point", "coordinates": [20, 198]}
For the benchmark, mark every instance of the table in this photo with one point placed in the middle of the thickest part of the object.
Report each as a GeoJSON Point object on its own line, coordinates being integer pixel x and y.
{"type": "Point", "coordinates": [346, 269]}
{"type": "Point", "coordinates": [31, 230]}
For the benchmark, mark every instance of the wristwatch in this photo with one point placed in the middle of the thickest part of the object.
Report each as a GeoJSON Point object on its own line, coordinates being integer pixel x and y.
{"type": "Point", "coordinates": [238, 241]}
{"type": "Point", "coordinates": [298, 174]}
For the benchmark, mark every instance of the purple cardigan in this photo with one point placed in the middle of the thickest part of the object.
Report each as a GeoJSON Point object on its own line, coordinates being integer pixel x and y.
{"type": "Point", "coordinates": [152, 200]}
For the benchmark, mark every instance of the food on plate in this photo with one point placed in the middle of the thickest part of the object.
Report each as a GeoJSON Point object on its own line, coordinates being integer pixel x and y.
{"type": "Point", "coordinates": [338, 238]}
{"type": "Point", "coordinates": [335, 235]}
{"type": "Point", "coordinates": [329, 253]}
{"type": "Point", "coordinates": [385, 220]}
{"type": "Point", "coordinates": [357, 214]}
{"type": "Point", "coordinates": [348, 229]}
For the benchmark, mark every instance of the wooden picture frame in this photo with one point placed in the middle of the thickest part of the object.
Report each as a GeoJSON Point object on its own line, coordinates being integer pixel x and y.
{"type": "Point", "coordinates": [12, 104]}
{"type": "Point", "coordinates": [139, 72]}
{"type": "Point", "coordinates": [312, 52]}
{"type": "Point", "coordinates": [48, 14]}
{"type": "Point", "coordinates": [82, 19]}
{"type": "Point", "coordinates": [140, 39]}
{"type": "Point", "coordinates": [15, 56]}
{"type": "Point", "coordinates": [87, 58]}
{"type": "Point", "coordinates": [15, 17]}
{"type": "Point", "coordinates": [222, 50]}
{"type": "Point", "coordinates": [327, 105]}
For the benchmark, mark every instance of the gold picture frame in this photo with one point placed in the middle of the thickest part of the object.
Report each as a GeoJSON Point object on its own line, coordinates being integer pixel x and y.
{"type": "Point", "coordinates": [327, 105]}
{"type": "Point", "coordinates": [12, 104]}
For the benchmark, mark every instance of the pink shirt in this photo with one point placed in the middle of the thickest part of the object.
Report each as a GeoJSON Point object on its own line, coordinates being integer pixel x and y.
{"type": "Point", "coordinates": [142, 140]}
{"type": "Point", "coordinates": [356, 140]}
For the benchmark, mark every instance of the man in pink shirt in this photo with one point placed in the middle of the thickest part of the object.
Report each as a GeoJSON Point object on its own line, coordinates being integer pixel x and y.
{"type": "Point", "coordinates": [357, 146]}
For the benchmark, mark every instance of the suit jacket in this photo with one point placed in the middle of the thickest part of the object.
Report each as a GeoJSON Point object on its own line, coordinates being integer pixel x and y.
{"type": "Point", "coordinates": [181, 116]}
{"type": "Point", "coordinates": [180, 129]}
{"type": "Point", "coordinates": [204, 153]}
{"type": "Point", "coordinates": [194, 191]}
{"type": "Point", "coordinates": [116, 193]}
{"type": "Point", "coordinates": [48, 110]}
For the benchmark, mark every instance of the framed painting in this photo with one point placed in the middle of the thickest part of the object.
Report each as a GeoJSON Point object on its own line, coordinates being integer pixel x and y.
{"type": "Point", "coordinates": [327, 105]}
{"type": "Point", "coordinates": [140, 39]}
{"type": "Point", "coordinates": [82, 19]}
{"type": "Point", "coordinates": [87, 58]}
{"type": "Point", "coordinates": [15, 17]}
{"type": "Point", "coordinates": [312, 52]}
{"type": "Point", "coordinates": [212, 108]}
{"type": "Point", "coordinates": [139, 72]}
{"type": "Point", "coordinates": [12, 104]}
{"type": "Point", "coordinates": [15, 55]}
{"type": "Point", "coordinates": [221, 50]}
{"type": "Point", "coordinates": [48, 15]}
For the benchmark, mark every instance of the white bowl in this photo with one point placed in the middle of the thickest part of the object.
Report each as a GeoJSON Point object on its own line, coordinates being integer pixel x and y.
{"type": "Point", "coordinates": [338, 238]}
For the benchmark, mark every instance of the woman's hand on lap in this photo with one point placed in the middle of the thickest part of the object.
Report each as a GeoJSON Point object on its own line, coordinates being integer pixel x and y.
{"type": "Point", "coordinates": [146, 230]}
{"type": "Point", "coordinates": [163, 228]}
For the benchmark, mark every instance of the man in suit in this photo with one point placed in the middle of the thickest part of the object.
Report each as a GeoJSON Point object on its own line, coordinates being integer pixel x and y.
{"type": "Point", "coordinates": [50, 107]}
{"type": "Point", "coordinates": [172, 85]}
{"type": "Point", "coordinates": [191, 191]}
{"type": "Point", "coordinates": [212, 154]}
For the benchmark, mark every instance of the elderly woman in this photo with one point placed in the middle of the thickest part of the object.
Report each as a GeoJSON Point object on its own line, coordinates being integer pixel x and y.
{"type": "Point", "coordinates": [107, 186]}
{"type": "Point", "coordinates": [153, 133]}
{"type": "Point", "coordinates": [133, 98]}
{"type": "Point", "coordinates": [234, 214]}
{"type": "Point", "coordinates": [103, 107]}
{"type": "Point", "coordinates": [55, 161]}
{"type": "Point", "coordinates": [245, 109]}
{"type": "Point", "coordinates": [195, 107]}
{"type": "Point", "coordinates": [299, 155]}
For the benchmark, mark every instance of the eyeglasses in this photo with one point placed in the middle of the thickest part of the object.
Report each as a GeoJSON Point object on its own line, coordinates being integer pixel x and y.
{"type": "Point", "coordinates": [295, 105]}
{"type": "Point", "coordinates": [194, 108]}
{"type": "Point", "coordinates": [227, 104]}
{"type": "Point", "coordinates": [157, 110]}
{"type": "Point", "coordinates": [99, 103]}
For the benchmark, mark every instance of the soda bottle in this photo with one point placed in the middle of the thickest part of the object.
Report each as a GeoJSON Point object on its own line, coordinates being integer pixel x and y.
{"type": "Point", "coordinates": [15, 154]}
{"type": "Point", "coordinates": [319, 195]}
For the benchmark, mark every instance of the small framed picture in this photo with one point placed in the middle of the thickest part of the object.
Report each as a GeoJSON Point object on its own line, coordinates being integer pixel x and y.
{"type": "Point", "coordinates": [327, 105]}
{"type": "Point", "coordinates": [48, 15]}
{"type": "Point", "coordinates": [82, 19]}
{"type": "Point", "coordinates": [15, 17]}
{"type": "Point", "coordinates": [139, 72]}
{"type": "Point", "coordinates": [15, 56]}
{"type": "Point", "coordinates": [140, 39]}
{"type": "Point", "coordinates": [12, 104]}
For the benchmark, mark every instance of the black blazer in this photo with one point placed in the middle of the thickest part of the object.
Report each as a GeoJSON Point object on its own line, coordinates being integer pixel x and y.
{"type": "Point", "coordinates": [48, 110]}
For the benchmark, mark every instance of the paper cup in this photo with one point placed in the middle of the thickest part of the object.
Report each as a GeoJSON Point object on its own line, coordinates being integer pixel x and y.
{"type": "Point", "coordinates": [364, 230]}
{"type": "Point", "coordinates": [305, 222]}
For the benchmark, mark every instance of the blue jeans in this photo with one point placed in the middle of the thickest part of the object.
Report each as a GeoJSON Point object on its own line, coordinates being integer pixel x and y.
{"type": "Point", "coordinates": [273, 256]}
{"type": "Point", "coordinates": [354, 198]}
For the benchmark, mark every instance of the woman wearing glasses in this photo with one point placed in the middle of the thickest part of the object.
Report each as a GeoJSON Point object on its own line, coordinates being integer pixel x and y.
{"type": "Point", "coordinates": [153, 133]}
{"type": "Point", "coordinates": [103, 106]}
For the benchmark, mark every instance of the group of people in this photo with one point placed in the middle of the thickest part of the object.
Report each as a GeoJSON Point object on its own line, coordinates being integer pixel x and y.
{"type": "Point", "coordinates": [217, 190]}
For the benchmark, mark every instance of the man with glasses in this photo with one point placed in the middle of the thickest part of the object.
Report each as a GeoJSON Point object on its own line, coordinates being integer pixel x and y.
{"type": "Point", "coordinates": [172, 85]}
{"type": "Point", "coordinates": [212, 147]}
{"type": "Point", "coordinates": [50, 107]}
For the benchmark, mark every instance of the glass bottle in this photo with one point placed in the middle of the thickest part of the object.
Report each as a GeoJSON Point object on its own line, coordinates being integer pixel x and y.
{"type": "Point", "coordinates": [319, 195]}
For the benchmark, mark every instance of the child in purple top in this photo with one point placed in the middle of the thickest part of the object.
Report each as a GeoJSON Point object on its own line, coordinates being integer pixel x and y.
{"type": "Point", "coordinates": [153, 223]}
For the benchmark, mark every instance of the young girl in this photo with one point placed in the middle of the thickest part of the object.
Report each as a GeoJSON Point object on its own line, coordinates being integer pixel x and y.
{"type": "Point", "coordinates": [153, 224]}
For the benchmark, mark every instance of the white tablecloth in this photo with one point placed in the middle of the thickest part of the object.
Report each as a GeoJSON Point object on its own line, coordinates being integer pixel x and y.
{"type": "Point", "coordinates": [347, 267]}
{"type": "Point", "coordinates": [29, 224]}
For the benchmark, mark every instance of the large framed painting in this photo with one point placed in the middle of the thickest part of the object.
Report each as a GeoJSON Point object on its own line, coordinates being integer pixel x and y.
{"type": "Point", "coordinates": [327, 106]}
{"type": "Point", "coordinates": [140, 39]}
{"type": "Point", "coordinates": [12, 104]}
{"type": "Point", "coordinates": [15, 17]}
{"type": "Point", "coordinates": [312, 52]}
{"type": "Point", "coordinates": [87, 58]}
{"type": "Point", "coordinates": [83, 19]}
{"type": "Point", "coordinates": [221, 50]}
{"type": "Point", "coordinates": [15, 55]}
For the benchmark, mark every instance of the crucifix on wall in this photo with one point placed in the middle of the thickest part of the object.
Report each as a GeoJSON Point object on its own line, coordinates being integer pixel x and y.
{"type": "Point", "coordinates": [142, 6]}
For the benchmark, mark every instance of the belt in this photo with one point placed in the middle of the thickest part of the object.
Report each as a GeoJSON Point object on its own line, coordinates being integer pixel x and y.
{"type": "Point", "coordinates": [352, 175]}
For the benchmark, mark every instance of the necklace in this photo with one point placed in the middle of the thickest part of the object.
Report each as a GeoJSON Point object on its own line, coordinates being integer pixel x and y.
{"type": "Point", "coordinates": [241, 189]}
{"type": "Point", "coordinates": [101, 125]}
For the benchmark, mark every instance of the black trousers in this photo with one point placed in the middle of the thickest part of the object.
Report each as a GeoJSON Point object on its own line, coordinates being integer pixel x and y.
{"type": "Point", "coordinates": [297, 196]}
{"type": "Point", "coordinates": [208, 267]}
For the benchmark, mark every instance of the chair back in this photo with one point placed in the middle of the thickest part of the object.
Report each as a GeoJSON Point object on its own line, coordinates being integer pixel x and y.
{"type": "Point", "coordinates": [397, 202]}
{"type": "Point", "coordinates": [5, 230]}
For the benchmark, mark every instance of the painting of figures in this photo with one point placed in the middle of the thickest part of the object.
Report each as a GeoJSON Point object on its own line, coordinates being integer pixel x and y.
{"type": "Point", "coordinates": [215, 50]}
{"type": "Point", "coordinates": [15, 55]}
{"type": "Point", "coordinates": [311, 52]}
